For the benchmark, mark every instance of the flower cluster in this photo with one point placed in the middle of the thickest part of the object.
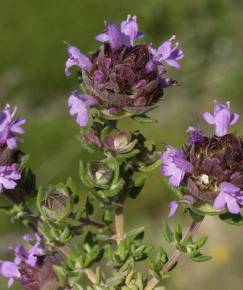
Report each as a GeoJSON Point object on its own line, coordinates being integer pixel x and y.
{"type": "Point", "coordinates": [13, 270]}
{"type": "Point", "coordinates": [9, 127]}
{"type": "Point", "coordinates": [209, 169]}
{"type": "Point", "coordinates": [122, 76]}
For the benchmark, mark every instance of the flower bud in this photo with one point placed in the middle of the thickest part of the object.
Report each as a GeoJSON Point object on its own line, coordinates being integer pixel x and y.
{"type": "Point", "coordinates": [100, 173]}
{"type": "Point", "coordinates": [55, 203]}
{"type": "Point", "coordinates": [119, 141]}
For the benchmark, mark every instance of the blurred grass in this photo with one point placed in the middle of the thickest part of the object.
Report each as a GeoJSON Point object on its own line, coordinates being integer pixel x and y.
{"type": "Point", "coordinates": [31, 75]}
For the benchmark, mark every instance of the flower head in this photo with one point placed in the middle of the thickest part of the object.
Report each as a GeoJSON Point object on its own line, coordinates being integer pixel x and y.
{"type": "Point", "coordinates": [215, 178]}
{"type": "Point", "coordinates": [10, 127]}
{"type": "Point", "coordinates": [125, 78]}
{"type": "Point", "coordinates": [222, 118]}
{"type": "Point", "coordinates": [79, 104]}
{"type": "Point", "coordinates": [9, 175]}
{"type": "Point", "coordinates": [175, 165]}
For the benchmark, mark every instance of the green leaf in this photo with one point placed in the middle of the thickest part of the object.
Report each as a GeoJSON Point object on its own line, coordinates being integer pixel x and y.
{"type": "Point", "coordinates": [178, 233]}
{"type": "Point", "coordinates": [139, 179]}
{"type": "Point", "coordinates": [151, 167]}
{"type": "Point", "coordinates": [201, 242]}
{"type": "Point", "coordinates": [144, 119]}
{"type": "Point", "coordinates": [124, 156]}
{"type": "Point", "coordinates": [71, 185]}
{"type": "Point", "coordinates": [61, 274]}
{"type": "Point", "coordinates": [83, 174]}
{"type": "Point", "coordinates": [24, 160]}
{"type": "Point", "coordinates": [168, 235]}
{"type": "Point", "coordinates": [232, 219]}
{"type": "Point", "coordinates": [136, 234]}
{"type": "Point", "coordinates": [181, 248]}
{"type": "Point", "coordinates": [201, 258]}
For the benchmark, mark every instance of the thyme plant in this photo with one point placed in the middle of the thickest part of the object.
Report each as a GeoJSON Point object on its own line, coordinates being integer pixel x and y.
{"type": "Point", "coordinates": [77, 244]}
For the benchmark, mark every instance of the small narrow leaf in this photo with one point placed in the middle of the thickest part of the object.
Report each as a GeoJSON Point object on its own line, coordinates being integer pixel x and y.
{"type": "Point", "coordinates": [201, 258]}
{"type": "Point", "coordinates": [168, 235]}
{"type": "Point", "coordinates": [201, 242]}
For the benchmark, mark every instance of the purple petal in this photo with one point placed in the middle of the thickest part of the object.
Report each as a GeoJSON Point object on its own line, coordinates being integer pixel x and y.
{"type": "Point", "coordinates": [165, 49]}
{"type": "Point", "coordinates": [229, 188]}
{"type": "Point", "coordinates": [173, 206]}
{"type": "Point", "coordinates": [10, 282]}
{"type": "Point", "coordinates": [115, 36]}
{"type": "Point", "coordinates": [234, 118]}
{"type": "Point", "coordinates": [176, 178]}
{"type": "Point", "coordinates": [102, 37]}
{"type": "Point", "coordinates": [9, 270]}
{"type": "Point", "coordinates": [129, 28]}
{"type": "Point", "coordinates": [222, 122]}
{"type": "Point", "coordinates": [220, 201]}
{"type": "Point", "coordinates": [209, 118]}
{"type": "Point", "coordinates": [173, 63]}
{"type": "Point", "coordinates": [16, 126]}
{"type": "Point", "coordinates": [232, 205]}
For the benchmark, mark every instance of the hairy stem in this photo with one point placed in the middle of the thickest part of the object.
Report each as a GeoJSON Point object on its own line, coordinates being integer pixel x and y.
{"type": "Point", "coordinates": [119, 224]}
{"type": "Point", "coordinates": [192, 229]}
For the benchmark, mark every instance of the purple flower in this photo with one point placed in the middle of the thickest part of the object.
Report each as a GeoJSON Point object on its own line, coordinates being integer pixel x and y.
{"type": "Point", "coordinates": [230, 197]}
{"type": "Point", "coordinates": [174, 165]}
{"type": "Point", "coordinates": [11, 270]}
{"type": "Point", "coordinates": [196, 136]}
{"type": "Point", "coordinates": [8, 176]}
{"type": "Point", "coordinates": [9, 128]}
{"type": "Point", "coordinates": [79, 104]}
{"type": "Point", "coordinates": [125, 34]}
{"type": "Point", "coordinates": [173, 206]}
{"type": "Point", "coordinates": [165, 54]}
{"type": "Point", "coordinates": [76, 58]}
{"type": "Point", "coordinates": [129, 28]}
{"type": "Point", "coordinates": [222, 118]}
{"type": "Point", "coordinates": [29, 256]}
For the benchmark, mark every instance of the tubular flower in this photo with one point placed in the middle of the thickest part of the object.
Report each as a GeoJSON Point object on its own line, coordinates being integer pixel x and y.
{"type": "Point", "coordinates": [174, 165]}
{"type": "Point", "coordinates": [216, 175]}
{"type": "Point", "coordinates": [125, 34]}
{"type": "Point", "coordinates": [79, 104]}
{"type": "Point", "coordinates": [166, 53]}
{"type": "Point", "coordinates": [76, 58]}
{"type": "Point", "coordinates": [122, 76]}
{"type": "Point", "coordinates": [222, 118]}
{"type": "Point", "coordinates": [230, 197]}
{"type": "Point", "coordinates": [10, 127]}
{"type": "Point", "coordinates": [9, 175]}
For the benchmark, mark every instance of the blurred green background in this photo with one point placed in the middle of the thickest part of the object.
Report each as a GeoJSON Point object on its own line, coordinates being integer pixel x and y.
{"type": "Point", "coordinates": [32, 57]}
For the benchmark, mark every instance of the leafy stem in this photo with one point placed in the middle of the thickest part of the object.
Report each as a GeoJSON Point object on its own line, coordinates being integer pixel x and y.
{"type": "Point", "coordinates": [173, 260]}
